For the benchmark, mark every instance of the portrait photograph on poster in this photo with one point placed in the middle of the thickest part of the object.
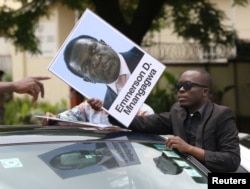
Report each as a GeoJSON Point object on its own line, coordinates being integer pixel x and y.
{"type": "Point", "coordinates": [100, 62]}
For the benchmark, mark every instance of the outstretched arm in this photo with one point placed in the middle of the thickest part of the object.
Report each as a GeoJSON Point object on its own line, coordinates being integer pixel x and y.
{"type": "Point", "coordinates": [30, 85]}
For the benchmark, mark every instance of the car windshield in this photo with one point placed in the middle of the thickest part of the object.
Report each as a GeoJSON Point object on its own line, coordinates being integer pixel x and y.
{"type": "Point", "coordinates": [93, 165]}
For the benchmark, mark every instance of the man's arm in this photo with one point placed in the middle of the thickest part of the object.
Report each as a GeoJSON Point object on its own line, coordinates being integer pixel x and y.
{"type": "Point", "coordinates": [154, 123]}
{"type": "Point", "coordinates": [30, 85]}
{"type": "Point", "coordinates": [178, 143]}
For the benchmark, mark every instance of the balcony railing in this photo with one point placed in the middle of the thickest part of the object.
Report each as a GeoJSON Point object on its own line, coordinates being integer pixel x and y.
{"type": "Point", "coordinates": [190, 53]}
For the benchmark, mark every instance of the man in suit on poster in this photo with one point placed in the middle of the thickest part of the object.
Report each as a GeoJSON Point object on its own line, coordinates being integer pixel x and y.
{"type": "Point", "coordinates": [96, 62]}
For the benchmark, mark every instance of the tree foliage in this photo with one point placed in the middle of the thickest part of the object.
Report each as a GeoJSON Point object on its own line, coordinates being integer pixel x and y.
{"type": "Point", "coordinates": [199, 20]}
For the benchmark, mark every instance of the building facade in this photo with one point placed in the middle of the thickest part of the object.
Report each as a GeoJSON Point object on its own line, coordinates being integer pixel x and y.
{"type": "Point", "coordinates": [225, 67]}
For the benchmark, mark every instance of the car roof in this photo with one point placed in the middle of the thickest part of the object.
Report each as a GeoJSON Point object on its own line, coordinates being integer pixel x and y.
{"type": "Point", "coordinates": [245, 139]}
{"type": "Point", "coordinates": [15, 135]}
{"type": "Point", "coordinates": [245, 150]}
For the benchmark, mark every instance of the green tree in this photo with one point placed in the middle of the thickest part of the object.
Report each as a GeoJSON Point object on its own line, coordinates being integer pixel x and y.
{"type": "Point", "coordinates": [194, 19]}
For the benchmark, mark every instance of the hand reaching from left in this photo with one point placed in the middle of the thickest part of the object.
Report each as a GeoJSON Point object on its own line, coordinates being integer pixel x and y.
{"type": "Point", "coordinates": [30, 85]}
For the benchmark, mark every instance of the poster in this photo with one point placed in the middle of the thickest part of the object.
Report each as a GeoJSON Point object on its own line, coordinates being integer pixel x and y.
{"type": "Point", "coordinates": [92, 59]}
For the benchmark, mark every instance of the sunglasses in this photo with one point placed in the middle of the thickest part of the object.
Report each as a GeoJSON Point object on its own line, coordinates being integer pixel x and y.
{"type": "Point", "coordinates": [188, 85]}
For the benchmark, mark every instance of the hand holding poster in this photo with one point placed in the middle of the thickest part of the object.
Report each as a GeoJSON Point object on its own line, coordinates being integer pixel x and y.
{"type": "Point", "coordinates": [100, 62]}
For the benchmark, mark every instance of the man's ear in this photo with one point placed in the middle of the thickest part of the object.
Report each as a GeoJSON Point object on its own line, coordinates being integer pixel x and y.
{"type": "Point", "coordinates": [206, 92]}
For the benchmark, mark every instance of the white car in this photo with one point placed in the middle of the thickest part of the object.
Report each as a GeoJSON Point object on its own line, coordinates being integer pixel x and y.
{"type": "Point", "coordinates": [245, 150]}
{"type": "Point", "coordinates": [82, 157]}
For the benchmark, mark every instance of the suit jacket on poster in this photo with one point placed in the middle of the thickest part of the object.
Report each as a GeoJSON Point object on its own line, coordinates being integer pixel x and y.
{"type": "Point", "coordinates": [217, 133]}
{"type": "Point", "coordinates": [132, 58]}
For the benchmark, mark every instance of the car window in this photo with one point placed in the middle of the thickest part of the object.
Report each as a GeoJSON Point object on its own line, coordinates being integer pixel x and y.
{"type": "Point", "coordinates": [96, 164]}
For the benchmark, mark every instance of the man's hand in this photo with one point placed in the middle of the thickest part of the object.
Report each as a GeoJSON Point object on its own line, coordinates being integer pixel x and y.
{"type": "Point", "coordinates": [96, 104]}
{"type": "Point", "coordinates": [142, 113]}
{"type": "Point", "coordinates": [30, 85]}
{"type": "Point", "coordinates": [177, 143]}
